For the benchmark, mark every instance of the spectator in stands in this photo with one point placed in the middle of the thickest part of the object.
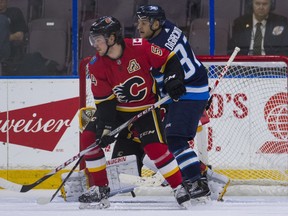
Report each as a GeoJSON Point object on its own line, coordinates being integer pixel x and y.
{"type": "Point", "coordinates": [13, 46]}
{"type": "Point", "coordinates": [271, 38]}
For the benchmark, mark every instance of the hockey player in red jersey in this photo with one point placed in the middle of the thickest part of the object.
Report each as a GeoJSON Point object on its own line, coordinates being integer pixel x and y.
{"type": "Point", "coordinates": [122, 86]}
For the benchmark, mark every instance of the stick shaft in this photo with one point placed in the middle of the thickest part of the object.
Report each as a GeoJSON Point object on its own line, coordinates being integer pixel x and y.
{"type": "Point", "coordinates": [225, 69]}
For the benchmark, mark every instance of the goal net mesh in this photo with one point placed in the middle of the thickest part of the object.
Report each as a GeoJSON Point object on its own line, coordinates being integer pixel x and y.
{"type": "Point", "coordinates": [247, 137]}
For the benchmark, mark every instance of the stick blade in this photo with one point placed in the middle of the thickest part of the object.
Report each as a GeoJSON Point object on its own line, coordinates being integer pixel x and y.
{"type": "Point", "coordinates": [152, 181]}
{"type": "Point", "coordinates": [10, 185]}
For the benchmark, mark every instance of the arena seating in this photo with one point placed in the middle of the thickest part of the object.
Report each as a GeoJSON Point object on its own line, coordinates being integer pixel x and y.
{"type": "Point", "coordinates": [199, 36]}
{"type": "Point", "coordinates": [50, 37]}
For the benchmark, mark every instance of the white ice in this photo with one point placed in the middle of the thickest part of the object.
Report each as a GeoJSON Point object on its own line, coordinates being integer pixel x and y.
{"type": "Point", "coordinates": [24, 204]}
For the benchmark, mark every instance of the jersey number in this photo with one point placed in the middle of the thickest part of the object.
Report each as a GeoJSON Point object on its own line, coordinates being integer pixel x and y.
{"type": "Point", "coordinates": [188, 66]}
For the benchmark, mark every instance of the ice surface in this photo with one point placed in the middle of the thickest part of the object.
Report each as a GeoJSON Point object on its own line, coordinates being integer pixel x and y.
{"type": "Point", "coordinates": [25, 204]}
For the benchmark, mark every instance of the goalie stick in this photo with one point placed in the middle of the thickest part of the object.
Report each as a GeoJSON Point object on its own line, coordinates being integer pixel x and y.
{"type": "Point", "coordinates": [222, 74]}
{"type": "Point", "coordinates": [225, 69]}
{"type": "Point", "coordinates": [157, 179]}
{"type": "Point", "coordinates": [24, 188]}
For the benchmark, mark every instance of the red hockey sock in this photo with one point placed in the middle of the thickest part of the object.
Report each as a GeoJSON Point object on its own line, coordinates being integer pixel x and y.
{"type": "Point", "coordinates": [165, 162]}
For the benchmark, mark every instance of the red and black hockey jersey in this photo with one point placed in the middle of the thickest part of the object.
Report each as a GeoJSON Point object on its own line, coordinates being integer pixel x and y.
{"type": "Point", "coordinates": [128, 78]}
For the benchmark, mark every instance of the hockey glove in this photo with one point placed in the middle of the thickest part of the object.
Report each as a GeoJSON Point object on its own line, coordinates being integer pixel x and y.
{"type": "Point", "coordinates": [175, 88]}
{"type": "Point", "coordinates": [105, 141]}
{"type": "Point", "coordinates": [102, 137]}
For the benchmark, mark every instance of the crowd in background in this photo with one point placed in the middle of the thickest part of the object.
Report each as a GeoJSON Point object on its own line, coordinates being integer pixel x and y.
{"type": "Point", "coordinates": [36, 35]}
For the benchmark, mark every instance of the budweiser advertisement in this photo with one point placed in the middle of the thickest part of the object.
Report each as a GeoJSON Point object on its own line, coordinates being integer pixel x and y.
{"type": "Point", "coordinates": [40, 126]}
{"type": "Point", "coordinates": [38, 122]}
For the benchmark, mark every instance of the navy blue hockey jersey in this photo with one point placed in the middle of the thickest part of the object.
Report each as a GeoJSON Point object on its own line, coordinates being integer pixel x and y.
{"type": "Point", "coordinates": [196, 77]}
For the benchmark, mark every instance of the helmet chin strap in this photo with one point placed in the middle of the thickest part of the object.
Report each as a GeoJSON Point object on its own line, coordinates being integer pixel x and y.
{"type": "Point", "coordinates": [108, 47]}
{"type": "Point", "coordinates": [153, 33]}
{"type": "Point", "coordinates": [153, 30]}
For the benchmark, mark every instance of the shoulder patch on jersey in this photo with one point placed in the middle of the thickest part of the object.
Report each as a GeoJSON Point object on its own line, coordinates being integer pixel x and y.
{"type": "Point", "coordinates": [93, 60]}
{"type": "Point", "coordinates": [137, 41]}
{"type": "Point", "coordinates": [156, 50]}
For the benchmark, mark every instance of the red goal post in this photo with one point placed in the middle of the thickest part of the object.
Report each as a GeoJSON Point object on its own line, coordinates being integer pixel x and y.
{"type": "Point", "coordinates": [247, 137]}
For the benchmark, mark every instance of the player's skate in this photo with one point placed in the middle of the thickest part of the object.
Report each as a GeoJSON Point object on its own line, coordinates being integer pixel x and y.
{"type": "Point", "coordinates": [182, 196]}
{"type": "Point", "coordinates": [218, 184]}
{"type": "Point", "coordinates": [95, 197]}
{"type": "Point", "coordinates": [198, 190]}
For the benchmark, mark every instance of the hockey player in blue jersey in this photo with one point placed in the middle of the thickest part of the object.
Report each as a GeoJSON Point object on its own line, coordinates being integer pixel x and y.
{"type": "Point", "coordinates": [182, 118]}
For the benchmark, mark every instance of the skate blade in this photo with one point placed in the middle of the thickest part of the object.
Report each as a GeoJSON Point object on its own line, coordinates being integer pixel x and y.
{"type": "Point", "coordinates": [200, 201]}
{"type": "Point", "coordinates": [195, 202]}
{"type": "Point", "coordinates": [186, 205]}
{"type": "Point", "coordinates": [103, 204]}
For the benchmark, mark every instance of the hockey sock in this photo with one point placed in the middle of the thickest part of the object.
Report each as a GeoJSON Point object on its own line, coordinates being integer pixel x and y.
{"type": "Point", "coordinates": [186, 157]}
{"type": "Point", "coordinates": [95, 161]}
{"type": "Point", "coordinates": [165, 162]}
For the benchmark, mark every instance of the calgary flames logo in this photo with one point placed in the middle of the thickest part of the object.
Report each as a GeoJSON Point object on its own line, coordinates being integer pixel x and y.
{"type": "Point", "coordinates": [132, 90]}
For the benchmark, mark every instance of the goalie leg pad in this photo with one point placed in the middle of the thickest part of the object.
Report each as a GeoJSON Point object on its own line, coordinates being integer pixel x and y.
{"type": "Point", "coordinates": [74, 186]}
{"type": "Point", "coordinates": [116, 166]}
{"type": "Point", "coordinates": [218, 184]}
{"type": "Point", "coordinates": [78, 182]}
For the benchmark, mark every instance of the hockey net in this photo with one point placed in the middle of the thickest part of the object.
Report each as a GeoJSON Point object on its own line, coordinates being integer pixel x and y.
{"type": "Point", "coordinates": [247, 136]}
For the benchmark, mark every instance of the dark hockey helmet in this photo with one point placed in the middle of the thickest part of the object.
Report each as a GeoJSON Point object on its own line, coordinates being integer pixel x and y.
{"type": "Point", "coordinates": [151, 12]}
{"type": "Point", "coordinates": [106, 26]}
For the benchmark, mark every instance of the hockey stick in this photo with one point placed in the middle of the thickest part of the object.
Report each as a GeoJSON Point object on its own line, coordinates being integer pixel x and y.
{"type": "Point", "coordinates": [225, 69]}
{"type": "Point", "coordinates": [151, 181]}
{"type": "Point", "coordinates": [222, 74]}
{"type": "Point", "coordinates": [24, 188]}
